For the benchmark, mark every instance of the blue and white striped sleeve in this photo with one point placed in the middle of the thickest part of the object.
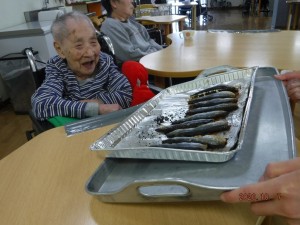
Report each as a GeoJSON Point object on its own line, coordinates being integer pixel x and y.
{"type": "Point", "coordinates": [48, 100]}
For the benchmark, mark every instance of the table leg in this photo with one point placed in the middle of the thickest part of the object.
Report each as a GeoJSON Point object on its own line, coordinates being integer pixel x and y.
{"type": "Point", "coordinates": [194, 17]}
{"type": "Point", "coordinates": [259, 8]}
{"type": "Point", "coordinates": [252, 7]}
{"type": "Point", "coordinates": [167, 32]}
{"type": "Point", "coordinates": [181, 23]}
{"type": "Point", "coordinates": [288, 26]}
{"type": "Point", "coordinates": [295, 20]}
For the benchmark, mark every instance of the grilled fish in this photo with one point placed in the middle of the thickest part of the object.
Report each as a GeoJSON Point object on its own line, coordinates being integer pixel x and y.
{"type": "Point", "coordinates": [213, 141]}
{"type": "Point", "coordinates": [188, 124]}
{"type": "Point", "coordinates": [221, 94]}
{"type": "Point", "coordinates": [212, 102]}
{"type": "Point", "coordinates": [208, 128]}
{"type": "Point", "coordinates": [226, 107]}
{"type": "Point", "coordinates": [214, 89]}
{"type": "Point", "coordinates": [183, 145]}
{"type": "Point", "coordinates": [204, 115]}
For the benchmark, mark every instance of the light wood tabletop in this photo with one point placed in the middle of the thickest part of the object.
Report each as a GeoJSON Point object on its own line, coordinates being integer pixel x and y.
{"type": "Point", "coordinates": [43, 182]}
{"type": "Point", "coordinates": [211, 49]}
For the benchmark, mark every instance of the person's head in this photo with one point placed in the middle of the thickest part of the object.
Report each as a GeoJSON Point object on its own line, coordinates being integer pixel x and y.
{"type": "Point", "coordinates": [75, 40]}
{"type": "Point", "coordinates": [119, 9]}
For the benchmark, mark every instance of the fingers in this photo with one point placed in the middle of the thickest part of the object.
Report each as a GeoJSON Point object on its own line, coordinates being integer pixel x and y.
{"type": "Point", "coordinates": [267, 188]}
{"type": "Point", "coordinates": [288, 76]}
{"type": "Point", "coordinates": [262, 191]}
{"type": "Point", "coordinates": [293, 89]}
{"type": "Point", "coordinates": [291, 81]}
{"type": "Point", "coordinates": [265, 208]}
{"type": "Point", "coordinates": [276, 169]}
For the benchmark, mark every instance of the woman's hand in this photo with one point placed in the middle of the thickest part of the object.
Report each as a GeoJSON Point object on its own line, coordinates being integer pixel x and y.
{"type": "Point", "coordinates": [107, 108]}
{"type": "Point", "coordinates": [276, 193]}
{"type": "Point", "coordinates": [104, 108]}
{"type": "Point", "coordinates": [292, 83]}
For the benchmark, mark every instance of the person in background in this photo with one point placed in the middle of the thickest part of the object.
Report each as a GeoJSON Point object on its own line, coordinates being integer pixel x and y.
{"type": "Point", "coordinates": [280, 181]}
{"type": "Point", "coordinates": [130, 39]}
{"type": "Point", "coordinates": [80, 81]}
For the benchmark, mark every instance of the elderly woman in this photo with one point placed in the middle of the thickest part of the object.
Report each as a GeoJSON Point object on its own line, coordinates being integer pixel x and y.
{"type": "Point", "coordinates": [130, 39]}
{"type": "Point", "coordinates": [80, 81]}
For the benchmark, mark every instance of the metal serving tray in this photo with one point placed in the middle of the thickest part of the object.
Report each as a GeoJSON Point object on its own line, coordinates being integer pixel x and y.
{"type": "Point", "coordinates": [133, 137]}
{"type": "Point", "coordinates": [269, 137]}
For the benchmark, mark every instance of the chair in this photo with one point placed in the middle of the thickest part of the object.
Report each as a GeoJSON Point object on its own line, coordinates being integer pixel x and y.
{"type": "Point", "coordinates": [38, 77]}
{"type": "Point", "coordinates": [146, 10]}
{"type": "Point", "coordinates": [106, 44]}
{"type": "Point", "coordinates": [156, 35]}
{"type": "Point", "coordinates": [185, 10]}
{"type": "Point", "coordinates": [202, 10]}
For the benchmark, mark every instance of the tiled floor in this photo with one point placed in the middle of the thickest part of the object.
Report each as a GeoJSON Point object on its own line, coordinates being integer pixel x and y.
{"type": "Point", "coordinates": [13, 127]}
{"type": "Point", "coordinates": [234, 19]}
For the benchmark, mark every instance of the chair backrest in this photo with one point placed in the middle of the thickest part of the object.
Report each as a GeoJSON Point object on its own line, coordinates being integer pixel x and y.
{"type": "Point", "coordinates": [37, 72]}
{"type": "Point", "coordinates": [156, 35]}
{"type": "Point", "coordinates": [106, 44]}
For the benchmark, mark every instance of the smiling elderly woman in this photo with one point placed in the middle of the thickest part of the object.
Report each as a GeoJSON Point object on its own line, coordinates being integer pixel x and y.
{"type": "Point", "coordinates": [80, 81]}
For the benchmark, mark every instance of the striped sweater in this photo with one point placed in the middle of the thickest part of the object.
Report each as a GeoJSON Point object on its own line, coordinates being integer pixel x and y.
{"type": "Point", "coordinates": [60, 93]}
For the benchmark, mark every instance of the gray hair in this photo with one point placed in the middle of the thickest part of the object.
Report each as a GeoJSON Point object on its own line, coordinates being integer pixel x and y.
{"type": "Point", "coordinates": [59, 26]}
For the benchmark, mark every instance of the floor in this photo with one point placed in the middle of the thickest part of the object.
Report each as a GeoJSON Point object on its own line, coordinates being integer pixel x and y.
{"type": "Point", "coordinates": [234, 19]}
{"type": "Point", "coordinates": [13, 126]}
{"type": "Point", "coordinates": [12, 129]}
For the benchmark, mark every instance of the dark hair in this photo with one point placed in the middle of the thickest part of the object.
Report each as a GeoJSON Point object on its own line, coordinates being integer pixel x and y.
{"type": "Point", "coordinates": [59, 26]}
{"type": "Point", "coordinates": [106, 4]}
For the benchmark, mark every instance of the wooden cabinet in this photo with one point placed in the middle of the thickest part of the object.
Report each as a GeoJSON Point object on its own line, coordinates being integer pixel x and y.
{"type": "Point", "coordinates": [87, 7]}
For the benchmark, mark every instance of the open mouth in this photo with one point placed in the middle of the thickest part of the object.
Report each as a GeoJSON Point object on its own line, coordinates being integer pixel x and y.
{"type": "Point", "coordinates": [88, 64]}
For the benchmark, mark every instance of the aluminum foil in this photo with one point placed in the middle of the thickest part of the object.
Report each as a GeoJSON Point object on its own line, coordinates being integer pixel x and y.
{"type": "Point", "coordinates": [132, 138]}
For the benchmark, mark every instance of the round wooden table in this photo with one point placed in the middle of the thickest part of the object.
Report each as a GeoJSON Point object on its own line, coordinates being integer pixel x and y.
{"type": "Point", "coordinates": [184, 59]}
{"type": "Point", "coordinates": [43, 182]}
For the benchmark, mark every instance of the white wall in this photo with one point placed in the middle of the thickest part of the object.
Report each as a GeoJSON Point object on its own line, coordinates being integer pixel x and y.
{"type": "Point", "coordinates": [12, 11]}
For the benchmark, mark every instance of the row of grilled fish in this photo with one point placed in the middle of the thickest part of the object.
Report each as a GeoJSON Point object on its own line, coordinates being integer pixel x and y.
{"type": "Point", "coordinates": [205, 116]}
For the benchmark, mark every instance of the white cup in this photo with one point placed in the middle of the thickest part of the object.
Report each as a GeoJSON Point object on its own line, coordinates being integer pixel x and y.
{"type": "Point", "coordinates": [187, 34]}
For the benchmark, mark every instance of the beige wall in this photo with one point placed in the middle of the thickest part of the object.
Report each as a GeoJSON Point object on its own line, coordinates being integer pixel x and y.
{"type": "Point", "coordinates": [12, 11]}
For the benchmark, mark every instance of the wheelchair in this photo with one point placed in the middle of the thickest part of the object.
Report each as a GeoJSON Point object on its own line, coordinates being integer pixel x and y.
{"type": "Point", "coordinates": [38, 77]}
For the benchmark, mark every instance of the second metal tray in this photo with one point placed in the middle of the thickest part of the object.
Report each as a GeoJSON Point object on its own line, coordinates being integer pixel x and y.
{"type": "Point", "coordinates": [269, 137]}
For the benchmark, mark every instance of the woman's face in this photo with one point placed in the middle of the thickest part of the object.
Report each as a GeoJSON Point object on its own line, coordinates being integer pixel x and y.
{"type": "Point", "coordinates": [122, 8]}
{"type": "Point", "coordinates": [80, 48]}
